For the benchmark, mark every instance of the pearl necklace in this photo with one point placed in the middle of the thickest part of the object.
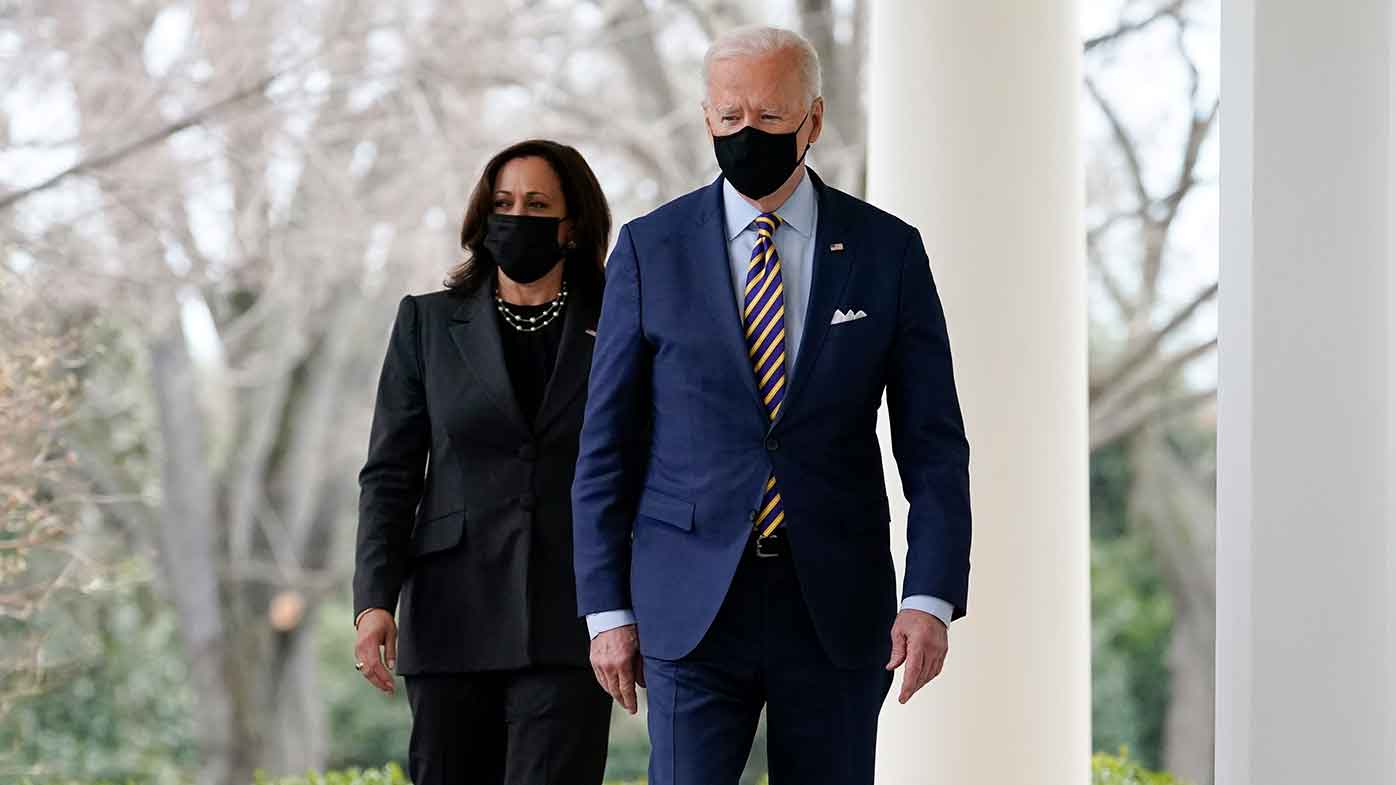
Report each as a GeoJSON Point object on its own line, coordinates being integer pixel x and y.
{"type": "Point", "coordinates": [529, 324]}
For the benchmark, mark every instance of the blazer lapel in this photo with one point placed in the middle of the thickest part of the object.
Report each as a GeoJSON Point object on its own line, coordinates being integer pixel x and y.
{"type": "Point", "coordinates": [475, 332]}
{"type": "Point", "coordinates": [708, 254]}
{"type": "Point", "coordinates": [569, 374]}
{"type": "Point", "coordinates": [830, 281]}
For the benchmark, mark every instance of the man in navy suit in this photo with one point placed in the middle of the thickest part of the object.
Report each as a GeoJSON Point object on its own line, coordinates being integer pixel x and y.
{"type": "Point", "coordinates": [731, 522]}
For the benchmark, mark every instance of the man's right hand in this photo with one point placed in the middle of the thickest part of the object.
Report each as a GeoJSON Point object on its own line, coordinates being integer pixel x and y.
{"type": "Point", "coordinates": [376, 648]}
{"type": "Point", "coordinates": [615, 659]}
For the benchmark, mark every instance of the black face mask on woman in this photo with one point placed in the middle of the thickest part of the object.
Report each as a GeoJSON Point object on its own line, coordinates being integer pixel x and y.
{"type": "Point", "coordinates": [524, 246]}
{"type": "Point", "coordinates": [757, 162]}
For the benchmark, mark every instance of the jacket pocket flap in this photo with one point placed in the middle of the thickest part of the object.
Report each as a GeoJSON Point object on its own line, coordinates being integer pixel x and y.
{"type": "Point", "coordinates": [439, 533]}
{"type": "Point", "coordinates": [663, 507]}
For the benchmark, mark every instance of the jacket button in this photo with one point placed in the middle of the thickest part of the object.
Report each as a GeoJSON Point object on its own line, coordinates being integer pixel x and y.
{"type": "Point", "coordinates": [528, 452]}
{"type": "Point", "coordinates": [526, 501]}
{"type": "Point", "coordinates": [772, 443]}
{"type": "Point", "coordinates": [751, 515]}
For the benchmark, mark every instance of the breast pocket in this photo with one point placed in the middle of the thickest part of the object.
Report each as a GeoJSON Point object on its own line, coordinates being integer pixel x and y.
{"type": "Point", "coordinates": [862, 327]}
{"type": "Point", "coordinates": [438, 533]}
{"type": "Point", "coordinates": [865, 341]}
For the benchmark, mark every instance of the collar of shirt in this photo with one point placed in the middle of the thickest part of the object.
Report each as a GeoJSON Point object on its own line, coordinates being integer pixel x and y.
{"type": "Point", "coordinates": [797, 212]}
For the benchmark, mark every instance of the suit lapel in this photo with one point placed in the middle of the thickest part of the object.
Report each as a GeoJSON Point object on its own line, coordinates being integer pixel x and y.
{"type": "Point", "coordinates": [569, 374]}
{"type": "Point", "coordinates": [708, 254]}
{"type": "Point", "coordinates": [475, 332]}
{"type": "Point", "coordinates": [829, 283]}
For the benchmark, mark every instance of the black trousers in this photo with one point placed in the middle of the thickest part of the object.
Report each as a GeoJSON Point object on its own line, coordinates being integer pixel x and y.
{"type": "Point", "coordinates": [536, 726]}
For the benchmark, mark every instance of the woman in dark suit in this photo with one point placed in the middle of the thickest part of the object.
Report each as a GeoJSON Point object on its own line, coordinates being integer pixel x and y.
{"type": "Point", "coordinates": [464, 514]}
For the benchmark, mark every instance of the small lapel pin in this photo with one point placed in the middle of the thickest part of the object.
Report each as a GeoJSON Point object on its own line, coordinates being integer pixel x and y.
{"type": "Point", "coordinates": [836, 247]}
{"type": "Point", "coordinates": [592, 333]}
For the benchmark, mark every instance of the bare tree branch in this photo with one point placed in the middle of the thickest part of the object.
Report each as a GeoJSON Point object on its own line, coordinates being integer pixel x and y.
{"type": "Point", "coordinates": [1125, 29]}
{"type": "Point", "coordinates": [1124, 141]}
{"type": "Point", "coordinates": [1108, 430]}
{"type": "Point", "coordinates": [1159, 373]}
{"type": "Point", "coordinates": [1125, 304]}
{"type": "Point", "coordinates": [1149, 344]}
{"type": "Point", "coordinates": [121, 152]}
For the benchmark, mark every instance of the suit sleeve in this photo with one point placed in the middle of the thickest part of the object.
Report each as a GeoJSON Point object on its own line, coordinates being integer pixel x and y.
{"type": "Point", "coordinates": [390, 483]}
{"type": "Point", "coordinates": [928, 439]}
{"type": "Point", "coordinates": [614, 440]}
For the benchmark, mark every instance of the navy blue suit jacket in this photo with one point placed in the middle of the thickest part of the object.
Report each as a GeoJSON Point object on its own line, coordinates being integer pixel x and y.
{"type": "Point", "coordinates": [676, 446]}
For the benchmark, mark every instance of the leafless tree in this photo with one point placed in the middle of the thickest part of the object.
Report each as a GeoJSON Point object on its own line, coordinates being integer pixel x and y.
{"type": "Point", "coordinates": [238, 193]}
{"type": "Point", "coordinates": [1137, 387]}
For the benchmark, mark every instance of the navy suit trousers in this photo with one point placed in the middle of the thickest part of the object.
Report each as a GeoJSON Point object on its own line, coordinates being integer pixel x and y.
{"type": "Point", "coordinates": [762, 650]}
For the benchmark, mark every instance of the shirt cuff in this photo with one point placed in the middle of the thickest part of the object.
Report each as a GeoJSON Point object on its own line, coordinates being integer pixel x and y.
{"type": "Point", "coordinates": [933, 605]}
{"type": "Point", "coordinates": [598, 623]}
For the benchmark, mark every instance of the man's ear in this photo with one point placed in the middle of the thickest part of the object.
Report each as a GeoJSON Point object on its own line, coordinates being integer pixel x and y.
{"type": "Point", "coordinates": [816, 119]}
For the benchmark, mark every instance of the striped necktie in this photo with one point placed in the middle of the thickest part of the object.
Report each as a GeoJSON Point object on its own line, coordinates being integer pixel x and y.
{"type": "Point", "coordinates": [763, 316]}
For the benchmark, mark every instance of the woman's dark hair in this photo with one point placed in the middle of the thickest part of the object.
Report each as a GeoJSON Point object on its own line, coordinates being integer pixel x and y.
{"type": "Point", "coordinates": [586, 207]}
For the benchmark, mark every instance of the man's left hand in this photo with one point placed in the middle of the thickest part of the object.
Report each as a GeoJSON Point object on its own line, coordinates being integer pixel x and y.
{"type": "Point", "coordinates": [919, 640]}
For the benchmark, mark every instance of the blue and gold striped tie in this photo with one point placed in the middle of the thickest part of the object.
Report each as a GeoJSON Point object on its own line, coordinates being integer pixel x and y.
{"type": "Point", "coordinates": [763, 316]}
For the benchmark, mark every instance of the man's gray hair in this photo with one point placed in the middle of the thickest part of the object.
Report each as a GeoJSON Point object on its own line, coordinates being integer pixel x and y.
{"type": "Point", "coordinates": [758, 40]}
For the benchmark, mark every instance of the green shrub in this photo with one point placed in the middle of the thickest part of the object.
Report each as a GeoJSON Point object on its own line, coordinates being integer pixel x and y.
{"type": "Point", "coordinates": [1131, 618]}
{"type": "Point", "coordinates": [1120, 770]}
{"type": "Point", "coordinates": [1105, 770]}
{"type": "Point", "coordinates": [391, 774]}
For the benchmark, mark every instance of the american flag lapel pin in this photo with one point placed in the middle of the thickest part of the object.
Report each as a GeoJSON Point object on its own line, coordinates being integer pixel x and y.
{"type": "Point", "coordinates": [836, 247]}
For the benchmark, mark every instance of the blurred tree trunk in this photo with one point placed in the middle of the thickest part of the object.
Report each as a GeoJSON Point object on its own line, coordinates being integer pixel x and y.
{"type": "Point", "coordinates": [845, 116]}
{"type": "Point", "coordinates": [249, 505]}
{"type": "Point", "coordinates": [1188, 731]}
{"type": "Point", "coordinates": [636, 29]}
{"type": "Point", "coordinates": [184, 542]}
{"type": "Point", "coordinates": [1176, 504]}
{"type": "Point", "coordinates": [189, 565]}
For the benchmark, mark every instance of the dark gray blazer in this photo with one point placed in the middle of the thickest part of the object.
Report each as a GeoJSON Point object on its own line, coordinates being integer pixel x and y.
{"type": "Point", "coordinates": [465, 518]}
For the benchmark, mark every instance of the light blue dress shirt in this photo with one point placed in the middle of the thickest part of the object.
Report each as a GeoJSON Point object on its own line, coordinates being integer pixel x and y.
{"type": "Point", "coordinates": [795, 243]}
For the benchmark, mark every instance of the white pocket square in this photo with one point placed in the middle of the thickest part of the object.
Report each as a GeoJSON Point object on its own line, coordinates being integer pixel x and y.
{"type": "Point", "coordinates": [847, 316]}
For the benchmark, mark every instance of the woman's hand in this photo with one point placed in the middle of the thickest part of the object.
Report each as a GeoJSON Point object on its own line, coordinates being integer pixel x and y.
{"type": "Point", "coordinates": [615, 659]}
{"type": "Point", "coordinates": [375, 651]}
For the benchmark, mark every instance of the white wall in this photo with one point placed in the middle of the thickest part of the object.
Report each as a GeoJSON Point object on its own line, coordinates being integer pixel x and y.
{"type": "Point", "coordinates": [1305, 601]}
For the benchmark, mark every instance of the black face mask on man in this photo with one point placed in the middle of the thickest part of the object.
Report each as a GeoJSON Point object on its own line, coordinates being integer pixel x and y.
{"type": "Point", "coordinates": [524, 246]}
{"type": "Point", "coordinates": [757, 162]}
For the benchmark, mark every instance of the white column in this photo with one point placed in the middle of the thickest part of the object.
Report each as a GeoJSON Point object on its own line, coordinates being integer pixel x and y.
{"type": "Point", "coordinates": [1306, 666]}
{"type": "Point", "coordinates": [974, 139]}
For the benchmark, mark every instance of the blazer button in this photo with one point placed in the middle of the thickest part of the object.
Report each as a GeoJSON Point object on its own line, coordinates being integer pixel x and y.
{"type": "Point", "coordinates": [526, 501]}
{"type": "Point", "coordinates": [772, 443]}
{"type": "Point", "coordinates": [751, 516]}
{"type": "Point", "coordinates": [528, 452]}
